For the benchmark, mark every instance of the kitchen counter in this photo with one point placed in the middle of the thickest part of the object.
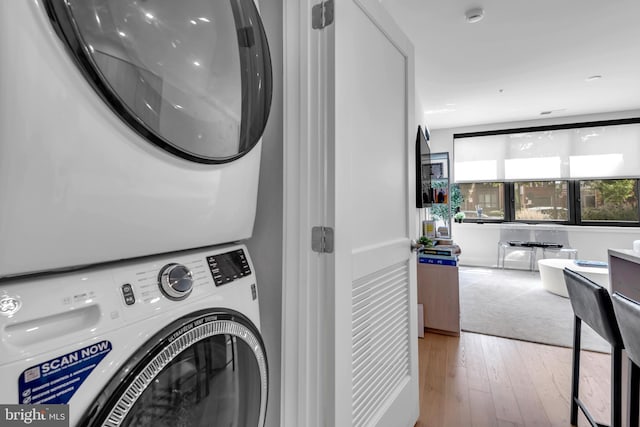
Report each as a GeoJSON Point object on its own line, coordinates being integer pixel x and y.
{"type": "Point", "coordinates": [624, 276]}
{"type": "Point", "coordinates": [624, 272]}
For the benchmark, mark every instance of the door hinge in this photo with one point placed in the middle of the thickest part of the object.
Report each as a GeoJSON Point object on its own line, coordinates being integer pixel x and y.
{"type": "Point", "coordinates": [322, 15]}
{"type": "Point", "coordinates": [322, 239]}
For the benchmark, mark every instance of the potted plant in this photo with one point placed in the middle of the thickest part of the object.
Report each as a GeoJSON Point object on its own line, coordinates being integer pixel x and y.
{"type": "Point", "coordinates": [425, 241]}
{"type": "Point", "coordinates": [459, 216]}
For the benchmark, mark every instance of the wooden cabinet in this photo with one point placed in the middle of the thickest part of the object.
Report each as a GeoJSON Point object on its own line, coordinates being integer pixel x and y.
{"type": "Point", "coordinates": [439, 293]}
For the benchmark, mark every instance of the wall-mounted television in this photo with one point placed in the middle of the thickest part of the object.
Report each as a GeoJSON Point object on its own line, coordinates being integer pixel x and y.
{"type": "Point", "coordinates": [423, 177]}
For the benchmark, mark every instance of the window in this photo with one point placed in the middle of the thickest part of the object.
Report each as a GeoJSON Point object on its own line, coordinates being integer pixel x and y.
{"type": "Point", "coordinates": [483, 200]}
{"type": "Point", "coordinates": [541, 200]}
{"type": "Point", "coordinates": [581, 173]}
{"type": "Point", "coordinates": [609, 200]}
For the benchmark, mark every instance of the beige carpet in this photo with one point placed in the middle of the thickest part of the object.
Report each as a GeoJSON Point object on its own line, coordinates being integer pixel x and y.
{"type": "Point", "coordinates": [513, 304]}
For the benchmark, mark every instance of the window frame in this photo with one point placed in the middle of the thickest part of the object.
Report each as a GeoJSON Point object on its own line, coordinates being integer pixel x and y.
{"type": "Point", "coordinates": [578, 207]}
{"type": "Point", "coordinates": [533, 221]}
{"type": "Point", "coordinates": [506, 206]}
{"type": "Point", "coordinates": [573, 195]}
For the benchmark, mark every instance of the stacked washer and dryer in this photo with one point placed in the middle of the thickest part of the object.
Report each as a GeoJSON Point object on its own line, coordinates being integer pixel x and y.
{"type": "Point", "coordinates": [129, 162]}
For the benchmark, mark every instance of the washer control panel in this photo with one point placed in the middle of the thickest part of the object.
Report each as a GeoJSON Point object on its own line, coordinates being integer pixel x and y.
{"type": "Point", "coordinates": [228, 266]}
{"type": "Point", "coordinates": [180, 277]}
{"type": "Point", "coordinates": [111, 297]}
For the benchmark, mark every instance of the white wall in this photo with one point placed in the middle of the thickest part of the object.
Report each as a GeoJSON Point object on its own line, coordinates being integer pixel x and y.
{"type": "Point", "coordinates": [266, 246]}
{"type": "Point", "coordinates": [479, 241]}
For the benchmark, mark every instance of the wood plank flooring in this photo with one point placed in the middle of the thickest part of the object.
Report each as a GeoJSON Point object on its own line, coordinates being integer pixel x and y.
{"type": "Point", "coordinates": [484, 381]}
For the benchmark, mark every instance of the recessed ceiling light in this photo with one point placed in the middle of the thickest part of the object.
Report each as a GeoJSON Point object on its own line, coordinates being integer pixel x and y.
{"type": "Point", "coordinates": [474, 15]}
{"type": "Point", "coordinates": [593, 78]}
{"type": "Point", "coordinates": [546, 113]}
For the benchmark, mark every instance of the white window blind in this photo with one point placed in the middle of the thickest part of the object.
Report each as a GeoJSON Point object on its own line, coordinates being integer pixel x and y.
{"type": "Point", "coordinates": [592, 152]}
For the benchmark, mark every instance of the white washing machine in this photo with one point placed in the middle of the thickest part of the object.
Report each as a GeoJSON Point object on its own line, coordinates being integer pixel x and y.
{"type": "Point", "coordinates": [133, 123]}
{"type": "Point", "coordinates": [169, 340]}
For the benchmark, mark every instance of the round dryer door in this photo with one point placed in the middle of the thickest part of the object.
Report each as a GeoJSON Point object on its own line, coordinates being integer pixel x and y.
{"type": "Point", "coordinates": [208, 369]}
{"type": "Point", "coordinates": [191, 76]}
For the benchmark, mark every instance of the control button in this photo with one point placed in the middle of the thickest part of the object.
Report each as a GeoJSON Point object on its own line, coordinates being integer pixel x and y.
{"type": "Point", "coordinates": [9, 305]}
{"type": "Point", "coordinates": [175, 281]}
{"type": "Point", "coordinates": [127, 293]}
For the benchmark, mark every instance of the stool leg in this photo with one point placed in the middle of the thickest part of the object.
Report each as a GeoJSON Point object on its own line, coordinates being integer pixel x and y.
{"type": "Point", "coordinates": [616, 387]}
{"type": "Point", "coordinates": [634, 391]}
{"type": "Point", "coordinates": [532, 259]}
{"type": "Point", "coordinates": [575, 375]}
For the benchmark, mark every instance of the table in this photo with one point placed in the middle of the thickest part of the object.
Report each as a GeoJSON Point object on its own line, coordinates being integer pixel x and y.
{"type": "Point", "coordinates": [553, 277]}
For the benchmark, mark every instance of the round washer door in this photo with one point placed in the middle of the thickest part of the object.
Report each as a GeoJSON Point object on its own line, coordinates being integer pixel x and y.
{"type": "Point", "coordinates": [206, 369]}
{"type": "Point", "coordinates": [191, 76]}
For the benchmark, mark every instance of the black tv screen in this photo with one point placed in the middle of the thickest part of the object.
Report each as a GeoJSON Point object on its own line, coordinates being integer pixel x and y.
{"type": "Point", "coordinates": [423, 179]}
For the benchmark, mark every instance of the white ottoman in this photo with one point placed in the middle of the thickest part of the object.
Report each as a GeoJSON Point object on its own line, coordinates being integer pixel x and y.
{"type": "Point", "coordinates": [553, 277]}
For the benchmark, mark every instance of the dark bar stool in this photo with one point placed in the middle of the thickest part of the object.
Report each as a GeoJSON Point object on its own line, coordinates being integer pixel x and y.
{"type": "Point", "coordinates": [628, 314]}
{"type": "Point", "coordinates": [592, 304]}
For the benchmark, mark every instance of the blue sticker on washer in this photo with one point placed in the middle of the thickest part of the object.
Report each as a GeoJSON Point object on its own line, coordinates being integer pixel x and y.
{"type": "Point", "coordinates": [55, 381]}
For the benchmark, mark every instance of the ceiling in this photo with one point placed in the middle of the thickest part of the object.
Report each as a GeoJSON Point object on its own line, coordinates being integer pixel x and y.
{"type": "Point", "coordinates": [523, 58]}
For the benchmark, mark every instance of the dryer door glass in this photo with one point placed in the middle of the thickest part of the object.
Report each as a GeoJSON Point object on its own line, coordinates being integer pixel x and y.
{"type": "Point", "coordinates": [192, 76]}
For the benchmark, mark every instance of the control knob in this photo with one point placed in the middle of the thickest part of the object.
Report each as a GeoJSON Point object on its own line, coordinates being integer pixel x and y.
{"type": "Point", "coordinates": [175, 281]}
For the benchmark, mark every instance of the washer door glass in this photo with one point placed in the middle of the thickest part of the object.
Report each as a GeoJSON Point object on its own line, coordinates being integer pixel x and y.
{"type": "Point", "coordinates": [215, 382]}
{"type": "Point", "coordinates": [192, 76]}
{"type": "Point", "coordinates": [207, 370]}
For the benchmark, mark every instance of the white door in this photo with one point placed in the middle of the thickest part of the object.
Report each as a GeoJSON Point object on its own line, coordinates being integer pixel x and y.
{"type": "Point", "coordinates": [355, 327]}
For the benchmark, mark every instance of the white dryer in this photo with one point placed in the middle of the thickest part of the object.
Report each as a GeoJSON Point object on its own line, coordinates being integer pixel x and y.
{"type": "Point", "coordinates": [135, 124]}
{"type": "Point", "coordinates": [165, 341]}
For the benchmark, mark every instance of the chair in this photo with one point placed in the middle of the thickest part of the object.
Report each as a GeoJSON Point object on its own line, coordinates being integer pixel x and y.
{"type": "Point", "coordinates": [592, 304]}
{"type": "Point", "coordinates": [628, 314]}
{"type": "Point", "coordinates": [554, 242]}
{"type": "Point", "coordinates": [512, 239]}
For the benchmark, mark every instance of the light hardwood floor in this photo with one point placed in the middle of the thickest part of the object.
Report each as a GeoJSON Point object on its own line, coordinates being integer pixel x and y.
{"type": "Point", "coordinates": [484, 381]}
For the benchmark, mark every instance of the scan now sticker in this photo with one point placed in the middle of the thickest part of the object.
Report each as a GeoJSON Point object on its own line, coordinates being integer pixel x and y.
{"type": "Point", "coordinates": [56, 380]}
{"type": "Point", "coordinates": [34, 415]}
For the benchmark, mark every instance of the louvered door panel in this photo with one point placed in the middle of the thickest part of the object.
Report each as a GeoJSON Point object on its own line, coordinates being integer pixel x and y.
{"type": "Point", "coordinates": [380, 332]}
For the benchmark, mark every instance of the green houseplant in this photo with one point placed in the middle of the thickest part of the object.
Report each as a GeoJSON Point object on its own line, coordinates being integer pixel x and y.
{"type": "Point", "coordinates": [425, 241]}
{"type": "Point", "coordinates": [459, 216]}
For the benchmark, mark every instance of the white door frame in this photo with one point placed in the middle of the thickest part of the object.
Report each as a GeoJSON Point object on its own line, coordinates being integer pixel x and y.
{"type": "Point", "coordinates": [302, 375]}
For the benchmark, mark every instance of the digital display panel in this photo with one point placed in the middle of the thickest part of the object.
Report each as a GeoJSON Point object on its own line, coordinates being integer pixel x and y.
{"type": "Point", "coordinates": [227, 267]}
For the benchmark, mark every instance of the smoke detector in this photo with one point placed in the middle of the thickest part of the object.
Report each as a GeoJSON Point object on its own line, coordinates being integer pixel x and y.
{"type": "Point", "coordinates": [474, 15]}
